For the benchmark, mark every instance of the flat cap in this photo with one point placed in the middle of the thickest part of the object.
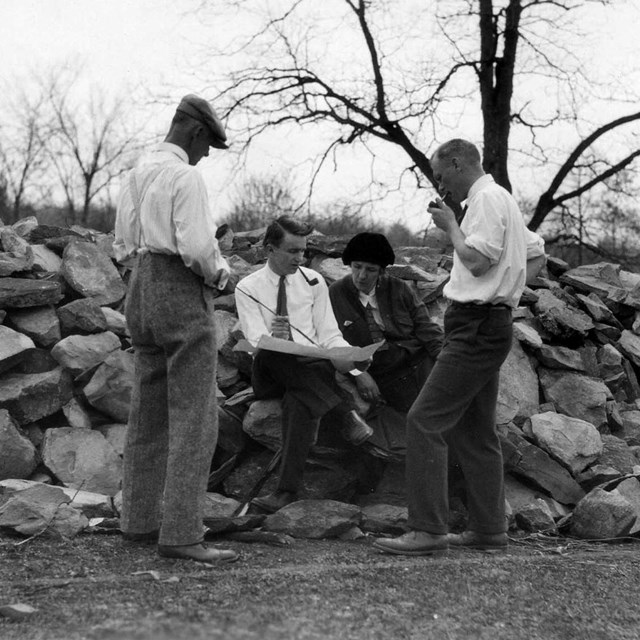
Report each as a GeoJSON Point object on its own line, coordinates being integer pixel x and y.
{"type": "Point", "coordinates": [199, 109]}
{"type": "Point", "coordinates": [369, 247]}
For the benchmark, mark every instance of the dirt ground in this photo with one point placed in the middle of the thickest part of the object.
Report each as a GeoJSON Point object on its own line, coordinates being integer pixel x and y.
{"type": "Point", "coordinates": [100, 588]}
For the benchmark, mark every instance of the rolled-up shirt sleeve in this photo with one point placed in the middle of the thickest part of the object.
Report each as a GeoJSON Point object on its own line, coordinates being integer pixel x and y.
{"type": "Point", "coordinates": [195, 230]}
{"type": "Point", "coordinates": [535, 245]}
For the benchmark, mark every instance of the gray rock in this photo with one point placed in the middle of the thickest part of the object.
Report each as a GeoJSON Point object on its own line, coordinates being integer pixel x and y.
{"type": "Point", "coordinates": [18, 458]}
{"type": "Point", "coordinates": [116, 322]}
{"type": "Point", "coordinates": [630, 490]}
{"type": "Point", "coordinates": [91, 273]}
{"type": "Point", "coordinates": [630, 427]}
{"type": "Point", "coordinates": [331, 269]}
{"type": "Point", "coordinates": [23, 292]}
{"type": "Point", "coordinates": [45, 260]}
{"type": "Point", "coordinates": [596, 475]}
{"type": "Point", "coordinates": [263, 422]}
{"type": "Point", "coordinates": [629, 345]}
{"type": "Point", "coordinates": [536, 516]}
{"type": "Point", "coordinates": [526, 334]}
{"type": "Point", "coordinates": [559, 357]}
{"type": "Point", "coordinates": [430, 289]}
{"type": "Point", "coordinates": [12, 345]}
{"type": "Point", "coordinates": [29, 397]}
{"type": "Point", "coordinates": [16, 255]}
{"type": "Point", "coordinates": [82, 459]}
{"type": "Point", "coordinates": [76, 414]}
{"type": "Point", "coordinates": [602, 279]}
{"type": "Point", "coordinates": [598, 310]}
{"type": "Point", "coordinates": [225, 323]}
{"type": "Point", "coordinates": [519, 495]}
{"type": "Point", "coordinates": [617, 454]}
{"type": "Point", "coordinates": [576, 395]}
{"type": "Point", "coordinates": [39, 323]}
{"type": "Point", "coordinates": [41, 510]}
{"type": "Point", "coordinates": [536, 466]}
{"type": "Point", "coordinates": [574, 443]}
{"type": "Point", "coordinates": [518, 395]}
{"type": "Point", "coordinates": [314, 519]}
{"type": "Point", "coordinates": [82, 316]}
{"type": "Point", "coordinates": [560, 319]}
{"type": "Point", "coordinates": [90, 504]}
{"type": "Point", "coordinates": [219, 506]}
{"type": "Point", "coordinates": [115, 435]}
{"type": "Point", "coordinates": [109, 389]}
{"type": "Point", "coordinates": [602, 515]}
{"type": "Point", "coordinates": [78, 353]}
{"type": "Point", "coordinates": [384, 518]}
{"type": "Point", "coordinates": [227, 374]}
{"type": "Point", "coordinates": [610, 367]}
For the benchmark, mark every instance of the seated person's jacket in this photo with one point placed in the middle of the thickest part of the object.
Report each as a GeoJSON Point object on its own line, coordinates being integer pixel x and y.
{"type": "Point", "coordinates": [409, 331]}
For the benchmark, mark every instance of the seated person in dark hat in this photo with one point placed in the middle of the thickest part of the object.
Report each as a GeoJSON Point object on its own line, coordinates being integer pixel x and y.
{"type": "Point", "coordinates": [369, 306]}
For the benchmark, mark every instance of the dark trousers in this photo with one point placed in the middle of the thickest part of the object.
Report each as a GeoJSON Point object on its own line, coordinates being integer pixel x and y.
{"type": "Point", "coordinates": [456, 407]}
{"type": "Point", "coordinates": [309, 391]}
{"type": "Point", "coordinates": [173, 427]}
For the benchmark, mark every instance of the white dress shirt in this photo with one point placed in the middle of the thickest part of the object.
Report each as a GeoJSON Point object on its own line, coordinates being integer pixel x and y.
{"type": "Point", "coordinates": [175, 217]}
{"type": "Point", "coordinates": [493, 226]}
{"type": "Point", "coordinates": [308, 306]}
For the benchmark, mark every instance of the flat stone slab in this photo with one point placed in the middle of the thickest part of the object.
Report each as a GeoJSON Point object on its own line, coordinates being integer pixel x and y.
{"type": "Point", "coordinates": [91, 273]}
{"type": "Point", "coordinates": [23, 292]}
{"type": "Point", "coordinates": [29, 397]}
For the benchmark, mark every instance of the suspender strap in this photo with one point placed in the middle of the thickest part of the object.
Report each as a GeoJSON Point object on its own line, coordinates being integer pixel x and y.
{"type": "Point", "coordinates": [137, 200]}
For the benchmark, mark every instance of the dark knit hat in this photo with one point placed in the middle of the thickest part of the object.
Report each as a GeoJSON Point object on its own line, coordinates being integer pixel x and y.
{"type": "Point", "coordinates": [369, 247]}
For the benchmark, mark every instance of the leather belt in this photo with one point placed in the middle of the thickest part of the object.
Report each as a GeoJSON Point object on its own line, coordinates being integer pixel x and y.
{"type": "Point", "coordinates": [479, 305]}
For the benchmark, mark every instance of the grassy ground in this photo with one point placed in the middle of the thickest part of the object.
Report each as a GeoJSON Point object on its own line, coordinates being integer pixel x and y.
{"type": "Point", "coordinates": [90, 588]}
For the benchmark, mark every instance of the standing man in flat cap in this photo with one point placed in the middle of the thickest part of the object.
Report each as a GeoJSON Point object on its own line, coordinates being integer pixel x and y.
{"type": "Point", "coordinates": [494, 255]}
{"type": "Point", "coordinates": [165, 227]}
{"type": "Point", "coordinates": [370, 306]}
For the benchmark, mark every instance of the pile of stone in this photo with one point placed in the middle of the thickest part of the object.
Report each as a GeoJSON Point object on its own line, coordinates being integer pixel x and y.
{"type": "Point", "coordinates": [569, 408]}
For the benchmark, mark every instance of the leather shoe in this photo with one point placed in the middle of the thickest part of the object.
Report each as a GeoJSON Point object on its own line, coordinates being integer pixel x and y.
{"type": "Point", "coordinates": [275, 501]}
{"type": "Point", "coordinates": [476, 540]}
{"type": "Point", "coordinates": [355, 429]}
{"type": "Point", "coordinates": [414, 543]}
{"type": "Point", "coordinates": [199, 552]}
{"type": "Point", "coordinates": [148, 537]}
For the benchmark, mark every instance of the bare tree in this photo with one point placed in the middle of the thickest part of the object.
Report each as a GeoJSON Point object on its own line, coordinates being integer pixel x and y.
{"type": "Point", "coordinates": [22, 153]}
{"type": "Point", "coordinates": [87, 142]}
{"type": "Point", "coordinates": [394, 85]}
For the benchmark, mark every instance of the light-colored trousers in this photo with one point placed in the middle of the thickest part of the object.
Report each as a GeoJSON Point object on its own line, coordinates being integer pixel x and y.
{"type": "Point", "coordinates": [173, 428]}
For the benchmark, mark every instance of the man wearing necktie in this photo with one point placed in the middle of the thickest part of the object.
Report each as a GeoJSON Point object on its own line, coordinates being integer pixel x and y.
{"type": "Point", "coordinates": [289, 301]}
{"type": "Point", "coordinates": [371, 306]}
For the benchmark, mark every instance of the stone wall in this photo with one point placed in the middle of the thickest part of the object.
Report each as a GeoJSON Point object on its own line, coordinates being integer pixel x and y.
{"type": "Point", "coordinates": [568, 411]}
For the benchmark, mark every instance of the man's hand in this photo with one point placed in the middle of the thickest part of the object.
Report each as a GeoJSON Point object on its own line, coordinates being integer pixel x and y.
{"type": "Point", "coordinates": [280, 327]}
{"type": "Point", "coordinates": [368, 388]}
{"type": "Point", "coordinates": [443, 216]}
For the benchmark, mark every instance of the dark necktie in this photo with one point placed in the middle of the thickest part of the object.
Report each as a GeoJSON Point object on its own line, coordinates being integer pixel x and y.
{"type": "Point", "coordinates": [281, 304]}
{"type": "Point", "coordinates": [374, 328]}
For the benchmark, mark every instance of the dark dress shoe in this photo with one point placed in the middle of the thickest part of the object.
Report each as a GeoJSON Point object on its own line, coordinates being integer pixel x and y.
{"type": "Point", "coordinates": [275, 501]}
{"type": "Point", "coordinates": [414, 543]}
{"type": "Point", "coordinates": [355, 429]}
{"type": "Point", "coordinates": [149, 537]}
{"type": "Point", "coordinates": [199, 552]}
{"type": "Point", "coordinates": [475, 540]}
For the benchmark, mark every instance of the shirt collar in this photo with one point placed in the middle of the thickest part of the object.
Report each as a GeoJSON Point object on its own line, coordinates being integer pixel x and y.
{"type": "Point", "coordinates": [169, 147]}
{"type": "Point", "coordinates": [368, 298]}
{"type": "Point", "coordinates": [272, 276]}
{"type": "Point", "coordinates": [479, 185]}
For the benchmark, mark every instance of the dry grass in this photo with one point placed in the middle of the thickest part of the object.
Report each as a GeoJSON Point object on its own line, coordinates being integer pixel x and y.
{"type": "Point", "coordinates": [90, 588]}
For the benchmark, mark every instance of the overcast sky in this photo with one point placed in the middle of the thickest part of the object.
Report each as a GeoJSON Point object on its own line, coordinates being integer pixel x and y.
{"type": "Point", "coordinates": [127, 42]}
